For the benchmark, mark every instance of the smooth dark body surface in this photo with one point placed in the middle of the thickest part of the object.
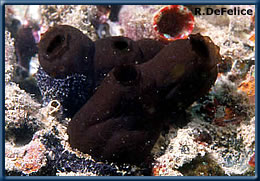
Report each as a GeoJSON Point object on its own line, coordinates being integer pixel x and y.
{"type": "Point", "coordinates": [118, 50]}
{"type": "Point", "coordinates": [72, 66]}
{"type": "Point", "coordinates": [123, 119]}
{"type": "Point", "coordinates": [65, 50]}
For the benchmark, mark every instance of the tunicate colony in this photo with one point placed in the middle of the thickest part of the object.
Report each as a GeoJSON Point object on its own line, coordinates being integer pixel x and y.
{"type": "Point", "coordinates": [119, 92]}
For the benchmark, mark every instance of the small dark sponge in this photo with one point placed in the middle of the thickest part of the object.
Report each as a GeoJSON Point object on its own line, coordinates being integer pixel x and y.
{"type": "Point", "coordinates": [72, 91]}
{"type": "Point", "coordinates": [65, 50]}
{"type": "Point", "coordinates": [123, 119]}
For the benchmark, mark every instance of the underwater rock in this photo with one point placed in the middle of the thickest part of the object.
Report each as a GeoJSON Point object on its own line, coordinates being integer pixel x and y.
{"type": "Point", "coordinates": [202, 166]}
{"type": "Point", "coordinates": [120, 123]}
{"type": "Point", "coordinates": [248, 87]}
{"type": "Point", "coordinates": [230, 148]}
{"type": "Point", "coordinates": [48, 153]}
{"type": "Point", "coordinates": [242, 23]}
{"type": "Point", "coordinates": [21, 113]}
{"type": "Point", "coordinates": [21, 110]}
{"type": "Point", "coordinates": [160, 22]}
{"type": "Point", "coordinates": [64, 160]}
{"type": "Point", "coordinates": [136, 21]}
{"type": "Point", "coordinates": [78, 16]}
{"type": "Point", "coordinates": [10, 57]}
{"type": "Point", "coordinates": [27, 159]}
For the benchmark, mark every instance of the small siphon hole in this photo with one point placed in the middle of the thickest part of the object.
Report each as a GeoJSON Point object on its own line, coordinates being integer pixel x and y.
{"type": "Point", "coordinates": [121, 45]}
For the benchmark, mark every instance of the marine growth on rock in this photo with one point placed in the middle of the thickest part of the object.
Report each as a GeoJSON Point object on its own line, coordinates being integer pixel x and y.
{"type": "Point", "coordinates": [129, 90]}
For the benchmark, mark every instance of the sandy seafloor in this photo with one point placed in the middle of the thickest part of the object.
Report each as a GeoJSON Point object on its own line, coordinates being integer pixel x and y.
{"type": "Point", "coordinates": [218, 140]}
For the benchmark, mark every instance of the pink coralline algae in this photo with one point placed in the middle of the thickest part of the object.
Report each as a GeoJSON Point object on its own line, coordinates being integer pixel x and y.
{"type": "Point", "coordinates": [29, 158]}
{"type": "Point", "coordinates": [161, 22]}
{"type": "Point", "coordinates": [252, 161]}
{"type": "Point", "coordinates": [173, 22]}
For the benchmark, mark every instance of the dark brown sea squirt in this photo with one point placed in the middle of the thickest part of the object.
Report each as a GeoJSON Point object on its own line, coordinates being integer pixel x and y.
{"type": "Point", "coordinates": [65, 50]}
{"type": "Point", "coordinates": [72, 65]}
{"type": "Point", "coordinates": [25, 46]}
{"type": "Point", "coordinates": [66, 70]}
{"type": "Point", "coordinates": [123, 119]}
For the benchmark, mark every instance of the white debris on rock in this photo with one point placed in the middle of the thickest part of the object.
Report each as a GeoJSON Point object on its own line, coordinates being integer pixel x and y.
{"type": "Point", "coordinates": [20, 108]}
{"type": "Point", "coordinates": [78, 16]}
{"type": "Point", "coordinates": [227, 148]}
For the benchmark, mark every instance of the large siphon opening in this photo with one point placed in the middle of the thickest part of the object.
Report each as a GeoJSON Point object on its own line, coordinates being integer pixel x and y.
{"type": "Point", "coordinates": [55, 43]}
